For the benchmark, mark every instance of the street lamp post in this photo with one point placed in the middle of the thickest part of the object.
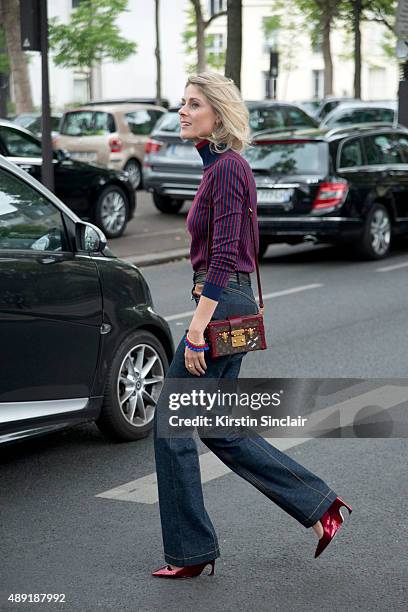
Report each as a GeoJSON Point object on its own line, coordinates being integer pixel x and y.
{"type": "Point", "coordinates": [34, 37]}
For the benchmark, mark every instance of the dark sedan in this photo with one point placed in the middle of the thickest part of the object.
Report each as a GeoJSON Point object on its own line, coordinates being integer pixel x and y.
{"type": "Point", "coordinates": [333, 186]}
{"type": "Point", "coordinates": [102, 196]}
{"type": "Point", "coordinates": [80, 340]}
{"type": "Point", "coordinates": [172, 168]}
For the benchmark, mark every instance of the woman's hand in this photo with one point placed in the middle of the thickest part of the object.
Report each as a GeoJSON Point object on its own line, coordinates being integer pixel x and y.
{"type": "Point", "coordinates": [194, 360]}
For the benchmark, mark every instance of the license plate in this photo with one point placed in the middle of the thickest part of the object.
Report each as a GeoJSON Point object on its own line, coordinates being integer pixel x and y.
{"type": "Point", "coordinates": [85, 156]}
{"type": "Point", "coordinates": [274, 196]}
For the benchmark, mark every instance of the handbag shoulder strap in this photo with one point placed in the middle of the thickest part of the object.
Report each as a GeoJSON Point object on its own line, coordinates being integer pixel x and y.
{"type": "Point", "coordinates": [251, 224]}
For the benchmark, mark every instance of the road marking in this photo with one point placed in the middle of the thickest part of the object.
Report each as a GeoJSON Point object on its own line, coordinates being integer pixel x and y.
{"type": "Point", "coordinates": [267, 296]}
{"type": "Point", "coordinates": [144, 490]}
{"type": "Point", "coordinates": [394, 267]}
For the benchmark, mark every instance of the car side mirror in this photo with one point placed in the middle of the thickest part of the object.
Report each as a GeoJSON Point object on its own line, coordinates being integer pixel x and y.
{"type": "Point", "coordinates": [61, 155]}
{"type": "Point", "coordinates": [89, 238]}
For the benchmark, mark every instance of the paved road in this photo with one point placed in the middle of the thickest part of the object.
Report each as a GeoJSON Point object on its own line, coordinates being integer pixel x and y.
{"type": "Point", "coordinates": [326, 316]}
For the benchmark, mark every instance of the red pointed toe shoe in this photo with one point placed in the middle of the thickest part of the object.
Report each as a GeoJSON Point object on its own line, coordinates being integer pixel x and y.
{"type": "Point", "coordinates": [191, 571]}
{"type": "Point", "coordinates": [331, 520]}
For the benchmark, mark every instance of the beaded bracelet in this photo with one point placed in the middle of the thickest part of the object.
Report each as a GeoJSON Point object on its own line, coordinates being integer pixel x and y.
{"type": "Point", "coordinates": [195, 347]}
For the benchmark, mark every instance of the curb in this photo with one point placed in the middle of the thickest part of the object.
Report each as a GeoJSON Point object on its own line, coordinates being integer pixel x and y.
{"type": "Point", "coordinates": [152, 259]}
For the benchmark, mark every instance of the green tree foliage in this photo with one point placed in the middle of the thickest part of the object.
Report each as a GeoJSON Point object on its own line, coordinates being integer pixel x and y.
{"type": "Point", "coordinates": [4, 60]}
{"type": "Point", "coordinates": [91, 35]}
{"type": "Point", "coordinates": [189, 38]}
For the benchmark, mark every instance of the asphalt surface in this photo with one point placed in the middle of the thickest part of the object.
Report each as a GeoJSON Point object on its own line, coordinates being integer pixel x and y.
{"type": "Point", "coordinates": [327, 317]}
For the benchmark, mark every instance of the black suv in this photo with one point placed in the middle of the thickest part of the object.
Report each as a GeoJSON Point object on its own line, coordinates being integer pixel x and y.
{"type": "Point", "coordinates": [80, 339]}
{"type": "Point", "coordinates": [340, 185]}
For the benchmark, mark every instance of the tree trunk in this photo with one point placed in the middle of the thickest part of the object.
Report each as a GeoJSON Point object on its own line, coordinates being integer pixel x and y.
{"type": "Point", "coordinates": [200, 35]}
{"type": "Point", "coordinates": [234, 42]}
{"type": "Point", "coordinates": [18, 58]}
{"type": "Point", "coordinates": [327, 57]}
{"type": "Point", "coordinates": [157, 53]}
{"type": "Point", "coordinates": [357, 47]}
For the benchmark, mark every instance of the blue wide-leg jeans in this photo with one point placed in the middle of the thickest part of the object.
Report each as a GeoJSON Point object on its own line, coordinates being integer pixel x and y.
{"type": "Point", "coordinates": [188, 533]}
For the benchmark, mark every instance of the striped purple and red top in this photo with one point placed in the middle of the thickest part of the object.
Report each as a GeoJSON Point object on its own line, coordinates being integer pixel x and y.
{"type": "Point", "coordinates": [226, 188]}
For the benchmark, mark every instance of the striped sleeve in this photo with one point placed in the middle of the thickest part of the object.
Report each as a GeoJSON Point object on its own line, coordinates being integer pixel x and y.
{"type": "Point", "coordinates": [228, 193]}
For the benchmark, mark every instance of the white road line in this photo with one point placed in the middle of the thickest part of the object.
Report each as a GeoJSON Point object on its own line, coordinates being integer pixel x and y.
{"type": "Point", "coordinates": [144, 490]}
{"type": "Point", "coordinates": [267, 296]}
{"type": "Point", "coordinates": [394, 267]}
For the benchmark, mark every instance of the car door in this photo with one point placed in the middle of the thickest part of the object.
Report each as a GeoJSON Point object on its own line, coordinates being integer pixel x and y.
{"type": "Point", "coordinates": [401, 176]}
{"type": "Point", "coordinates": [50, 307]}
{"type": "Point", "coordinates": [350, 164]}
{"type": "Point", "coordinates": [385, 161]}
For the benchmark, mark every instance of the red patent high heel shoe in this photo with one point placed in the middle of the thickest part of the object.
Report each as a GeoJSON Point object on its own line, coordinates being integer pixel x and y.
{"type": "Point", "coordinates": [331, 520]}
{"type": "Point", "coordinates": [191, 571]}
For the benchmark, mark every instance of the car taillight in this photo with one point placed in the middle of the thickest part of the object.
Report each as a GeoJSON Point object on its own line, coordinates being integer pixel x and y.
{"type": "Point", "coordinates": [152, 146]}
{"type": "Point", "coordinates": [330, 194]}
{"type": "Point", "coordinates": [115, 144]}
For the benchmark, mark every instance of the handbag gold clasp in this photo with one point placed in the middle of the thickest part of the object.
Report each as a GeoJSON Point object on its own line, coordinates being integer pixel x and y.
{"type": "Point", "coordinates": [238, 337]}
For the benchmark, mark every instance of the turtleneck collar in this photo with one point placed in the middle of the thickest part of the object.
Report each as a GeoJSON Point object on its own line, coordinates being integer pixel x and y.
{"type": "Point", "coordinates": [208, 157]}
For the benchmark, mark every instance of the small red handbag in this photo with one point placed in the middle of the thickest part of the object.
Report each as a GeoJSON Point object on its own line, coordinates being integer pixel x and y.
{"type": "Point", "coordinates": [237, 334]}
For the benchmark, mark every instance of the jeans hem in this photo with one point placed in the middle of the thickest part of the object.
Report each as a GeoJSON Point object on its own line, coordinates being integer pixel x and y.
{"type": "Point", "coordinates": [193, 560]}
{"type": "Point", "coordinates": [322, 508]}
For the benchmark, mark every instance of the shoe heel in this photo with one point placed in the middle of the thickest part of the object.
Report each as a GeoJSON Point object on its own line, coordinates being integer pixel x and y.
{"type": "Point", "coordinates": [212, 563]}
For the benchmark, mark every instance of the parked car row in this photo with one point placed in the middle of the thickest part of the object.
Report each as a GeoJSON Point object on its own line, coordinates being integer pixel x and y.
{"type": "Point", "coordinates": [74, 347]}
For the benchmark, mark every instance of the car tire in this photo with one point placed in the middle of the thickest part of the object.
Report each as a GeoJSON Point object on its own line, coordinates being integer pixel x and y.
{"type": "Point", "coordinates": [376, 238]}
{"type": "Point", "coordinates": [121, 395]}
{"type": "Point", "coordinates": [263, 247]}
{"type": "Point", "coordinates": [135, 173]}
{"type": "Point", "coordinates": [167, 205]}
{"type": "Point", "coordinates": [112, 211]}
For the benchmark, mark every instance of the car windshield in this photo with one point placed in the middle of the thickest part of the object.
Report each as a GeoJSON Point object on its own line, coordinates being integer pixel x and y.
{"type": "Point", "coordinates": [363, 115]}
{"type": "Point", "coordinates": [169, 122]}
{"type": "Point", "coordinates": [278, 117]}
{"type": "Point", "coordinates": [87, 123]}
{"type": "Point", "coordinates": [306, 157]}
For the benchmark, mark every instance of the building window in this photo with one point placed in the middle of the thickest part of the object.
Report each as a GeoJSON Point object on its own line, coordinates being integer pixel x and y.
{"type": "Point", "coordinates": [377, 80]}
{"type": "Point", "coordinates": [216, 6]}
{"type": "Point", "coordinates": [80, 90]}
{"type": "Point", "coordinates": [318, 84]}
{"type": "Point", "coordinates": [270, 86]}
{"type": "Point", "coordinates": [317, 44]}
{"type": "Point", "coordinates": [217, 43]}
{"type": "Point", "coordinates": [75, 3]}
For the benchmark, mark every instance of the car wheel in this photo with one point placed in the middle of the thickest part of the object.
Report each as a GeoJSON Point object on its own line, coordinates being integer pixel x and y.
{"type": "Point", "coordinates": [263, 247]}
{"type": "Point", "coordinates": [167, 205]}
{"type": "Point", "coordinates": [112, 211]}
{"type": "Point", "coordinates": [376, 240]}
{"type": "Point", "coordinates": [135, 173]}
{"type": "Point", "coordinates": [133, 387]}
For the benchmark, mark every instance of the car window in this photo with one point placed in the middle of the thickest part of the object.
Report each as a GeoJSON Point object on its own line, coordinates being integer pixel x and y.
{"type": "Point", "coordinates": [402, 143]}
{"type": "Point", "coordinates": [294, 117]}
{"type": "Point", "coordinates": [168, 122]}
{"type": "Point", "coordinates": [363, 115]}
{"type": "Point", "coordinates": [141, 122]}
{"type": "Point", "coordinates": [266, 118]}
{"type": "Point", "coordinates": [27, 219]}
{"type": "Point", "coordinates": [382, 149]}
{"type": "Point", "coordinates": [351, 154]}
{"type": "Point", "coordinates": [19, 144]}
{"type": "Point", "coordinates": [87, 123]}
{"type": "Point", "coordinates": [287, 158]}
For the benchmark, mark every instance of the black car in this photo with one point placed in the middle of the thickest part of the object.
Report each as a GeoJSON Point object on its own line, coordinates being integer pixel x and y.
{"type": "Point", "coordinates": [98, 194]}
{"type": "Point", "coordinates": [172, 167]}
{"type": "Point", "coordinates": [332, 186]}
{"type": "Point", "coordinates": [80, 340]}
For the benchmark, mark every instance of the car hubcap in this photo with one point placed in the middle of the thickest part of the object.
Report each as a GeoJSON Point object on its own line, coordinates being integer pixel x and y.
{"type": "Point", "coordinates": [113, 212]}
{"type": "Point", "coordinates": [134, 174]}
{"type": "Point", "coordinates": [140, 381]}
{"type": "Point", "coordinates": [380, 230]}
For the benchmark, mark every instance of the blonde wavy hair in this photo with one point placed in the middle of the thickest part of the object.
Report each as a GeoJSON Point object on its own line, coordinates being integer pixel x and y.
{"type": "Point", "coordinates": [226, 100]}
